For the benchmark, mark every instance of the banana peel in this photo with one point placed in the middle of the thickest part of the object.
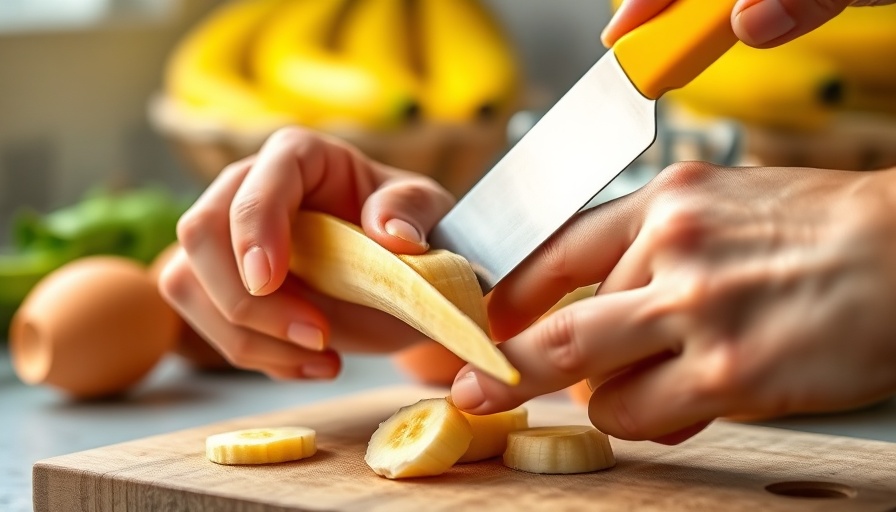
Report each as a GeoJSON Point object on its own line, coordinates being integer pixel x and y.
{"type": "Point", "coordinates": [437, 293]}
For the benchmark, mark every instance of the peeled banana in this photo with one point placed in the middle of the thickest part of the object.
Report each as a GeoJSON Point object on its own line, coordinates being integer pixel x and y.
{"type": "Point", "coordinates": [261, 445]}
{"type": "Point", "coordinates": [437, 293]}
{"type": "Point", "coordinates": [559, 450]}
{"type": "Point", "coordinates": [424, 439]}
{"type": "Point", "coordinates": [490, 433]}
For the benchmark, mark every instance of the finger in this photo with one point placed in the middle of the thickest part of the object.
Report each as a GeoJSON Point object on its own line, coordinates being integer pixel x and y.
{"type": "Point", "coordinates": [582, 253]}
{"type": "Point", "coordinates": [591, 338]}
{"type": "Point", "coordinates": [631, 14]}
{"type": "Point", "coordinates": [633, 270]}
{"type": "Point", "coordinates": [205, 235]}
{"type": "Point", "coordinates": [768, 23]}
{"type": "Point", "coordinates": [403, 210]}
{"type": "Point", "coordinates": [294, 168]}
{"type": "Point", "coordinates": [666, 400]}
{"type": "Point", "coordinates": [242, 347]}
{"type": "Point", "coordinates": [682, 435]}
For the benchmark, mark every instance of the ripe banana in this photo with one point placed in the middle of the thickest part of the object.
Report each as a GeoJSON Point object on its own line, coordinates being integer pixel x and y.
{"type": "Point", "coordinates": [469, 69]}
{"type": "Point", "coordinates": [205, 74]}
{"type": "Point", "coordinates": [376, 34]}
{"type": "Point", "coordinates": [559, 450]}
{"type": "Point", "coordinates": [261, 445]}
{"type": "Point", "coordinates": [297, 63]}
{"type": "Point", "coordinates": [437, 293]}
{"type": "Point", "coordinates": [782, 87]}
{"type": "Point", "coordinates": [424, 439]}
{"type": "Point", "coordinates": [490, 433]}
{"type": "Point", "coordinates": [859, 41]}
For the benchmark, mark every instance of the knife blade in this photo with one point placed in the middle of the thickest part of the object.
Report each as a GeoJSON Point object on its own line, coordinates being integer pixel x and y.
{"type": "Point", "coordinates": [601, 125]}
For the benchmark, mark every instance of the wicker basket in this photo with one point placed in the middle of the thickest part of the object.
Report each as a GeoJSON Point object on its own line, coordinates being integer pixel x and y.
{"type": "Point", "coordinates": [454, 155]}
{"type": "Point", "coordinates": [855, 141]}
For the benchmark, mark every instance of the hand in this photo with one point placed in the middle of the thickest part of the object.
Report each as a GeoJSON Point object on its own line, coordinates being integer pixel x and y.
{"type": "Point", "coordinates": [759, 23]}
{"type": "Point", "coordinates": [231, 280]}
{"type": "Point", "coordinates": [725, 291]}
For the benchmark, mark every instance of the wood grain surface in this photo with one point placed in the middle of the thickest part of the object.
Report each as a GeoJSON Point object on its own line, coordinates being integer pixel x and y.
{"type": "Point", "coordinates": [728, 467]}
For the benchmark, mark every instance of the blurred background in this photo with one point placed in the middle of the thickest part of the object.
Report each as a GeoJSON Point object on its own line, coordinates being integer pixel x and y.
{"type": "Point", "coordinates": [77, 76]}
{"type": "Point", "coordinates": [114, 114]}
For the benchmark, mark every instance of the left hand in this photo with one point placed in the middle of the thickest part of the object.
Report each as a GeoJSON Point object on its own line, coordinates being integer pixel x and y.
{"type": "Point", "coordinates": [749, 292]}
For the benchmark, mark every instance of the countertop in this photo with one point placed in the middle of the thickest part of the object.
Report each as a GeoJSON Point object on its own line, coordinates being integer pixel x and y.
{"type": "Point", "coordinates": [36, 423]}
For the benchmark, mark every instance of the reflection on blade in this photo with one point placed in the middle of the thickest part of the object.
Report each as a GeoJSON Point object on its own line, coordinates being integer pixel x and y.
{"type": "Point", "coordinates": [594, 132]}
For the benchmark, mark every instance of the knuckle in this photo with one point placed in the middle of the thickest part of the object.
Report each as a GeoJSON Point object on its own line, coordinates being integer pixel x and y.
{"type": "Point", "coordinates": [291, 136]}
{"type": "Point", "coordinates": [193, 227]}
{"type": "Point", "coordinates": [239, 311]}
{"type": "Point", "coordinates": [175, 282]}
{"type": "Point", "coordinates": [722, 375]}
{"type": "Point", "coordinates": [683, 175]}
{"type": "Point", "coordinates": [416, 193]}
{"type": "Point", "coordinates": [554, 263]}
{"type": "Point", "coordinates": [559, 344]}
{"type": "Point", "coordinates": [246, 209]}
{"type": "Point", "coordinates": [676, 224]}
{"type": "Point", "coordinates": [238, 351]}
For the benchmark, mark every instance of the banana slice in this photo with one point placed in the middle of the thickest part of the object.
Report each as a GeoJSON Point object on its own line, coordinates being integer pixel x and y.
{"type": "Point", "coordinates": [437, 293]}
{"type": "Point", "coordinates": [261, 445]}
{"type": "Point", "coordinates": [490, 433]}
{"type": "Point", "coordinates": [424, 439]}
{"type": "Point", "coordinates": [559, 450]}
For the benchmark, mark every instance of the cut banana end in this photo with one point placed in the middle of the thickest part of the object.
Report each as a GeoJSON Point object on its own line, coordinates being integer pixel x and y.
{"type": "Point", "coordinates": [261, 445]}
{"type": "Point", "coordinates": [490, 433]}
{"type": "Point", "coordinates": [559, 450]}
{"type": "Point", "coordinates": [424, 439]}
{"type": "Point", "coordinates": [437, 293]}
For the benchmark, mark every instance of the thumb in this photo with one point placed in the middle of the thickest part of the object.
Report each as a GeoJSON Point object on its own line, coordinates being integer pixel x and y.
{"type": "Point", "coordinates": [403, 210]}
{"type": "Point", "coordinates": [769, 23]}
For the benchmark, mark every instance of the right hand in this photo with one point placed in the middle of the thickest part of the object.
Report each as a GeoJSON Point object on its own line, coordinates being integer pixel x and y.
{"type": "Point", "coordinates": [758, 23]}
{"type": "Point", "coordinates": [231, 281]}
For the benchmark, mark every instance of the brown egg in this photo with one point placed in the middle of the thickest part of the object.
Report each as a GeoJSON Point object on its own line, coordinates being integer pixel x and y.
{"type": "Point", "coordinates": [190, 345]}
{"type": "Point", "coordinates": [93, 328]}
{"type": "Point", "coordinates": [429, 363]}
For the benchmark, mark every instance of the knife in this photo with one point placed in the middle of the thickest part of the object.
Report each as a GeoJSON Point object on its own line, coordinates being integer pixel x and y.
{"type": "Point", "coordinates": [600, 126]}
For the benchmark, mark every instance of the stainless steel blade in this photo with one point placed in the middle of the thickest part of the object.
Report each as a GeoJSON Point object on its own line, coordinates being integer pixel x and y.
{"type": "Point", "coordinates": [580, 145]}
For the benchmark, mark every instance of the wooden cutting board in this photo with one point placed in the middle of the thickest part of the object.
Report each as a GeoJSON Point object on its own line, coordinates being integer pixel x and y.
{"type": "Point", "coordinates": [728, 467]}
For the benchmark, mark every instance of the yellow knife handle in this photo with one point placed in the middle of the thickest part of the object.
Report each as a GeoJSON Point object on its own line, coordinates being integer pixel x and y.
{"type": "Point", "coordinates": [676, 45]}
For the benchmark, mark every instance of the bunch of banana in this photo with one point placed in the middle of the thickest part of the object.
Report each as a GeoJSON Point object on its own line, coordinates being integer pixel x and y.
{"type": "Point", "coordinates": [365, 64]}
{"type": "Point", "coordinates": [206, 76]}
{"type": "Point", "coordinates": [801, 85]}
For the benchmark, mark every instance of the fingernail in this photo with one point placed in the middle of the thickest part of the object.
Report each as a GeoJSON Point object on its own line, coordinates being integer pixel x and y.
{"type": "Point", "coordinates": [466, 391]}
{"type": "Point", "coordinates": [256, 269]}
{"type": "Point", "coordinates": [404, 230]}
{"type": "Point", "coordinates": [765, 21]}
{"type": "Point", "coordinates": [306, 335]}
{"type": "Point", "coordinates": [319, 371]}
